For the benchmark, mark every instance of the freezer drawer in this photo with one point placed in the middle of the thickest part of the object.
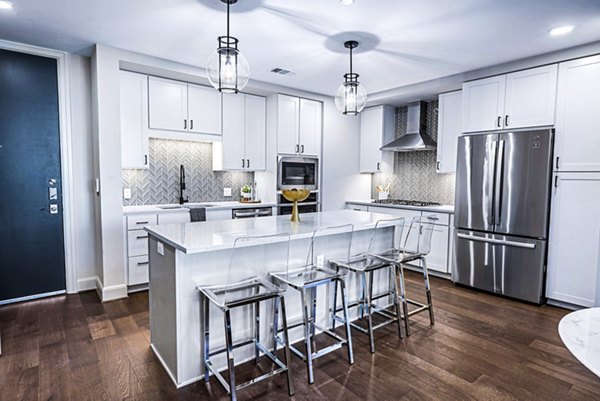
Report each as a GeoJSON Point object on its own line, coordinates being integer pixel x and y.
{"type": "Point", "coordinates": [507, 265]}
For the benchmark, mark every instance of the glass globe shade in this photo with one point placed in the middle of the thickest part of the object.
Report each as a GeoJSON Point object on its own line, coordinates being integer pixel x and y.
{"type": "Point", "coordinates": [228, 70]}
{"type": "Point", "coordinates": [351, 98]}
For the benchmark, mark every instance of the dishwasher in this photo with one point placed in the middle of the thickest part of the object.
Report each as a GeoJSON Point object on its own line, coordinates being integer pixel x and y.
{"type": "Point", "coordinates": [248, 213]}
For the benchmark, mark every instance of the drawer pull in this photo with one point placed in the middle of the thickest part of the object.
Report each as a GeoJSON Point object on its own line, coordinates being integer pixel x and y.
{"type": "Point", "coordinates": [142, 222]}
{"type": "Point", "coordinates": [141, 236]}
{"type": "Point", "coordinates": [143, 263]}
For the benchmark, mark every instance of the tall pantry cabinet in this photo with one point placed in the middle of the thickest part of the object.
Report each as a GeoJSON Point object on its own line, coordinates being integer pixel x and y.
{"type": "Point", "coordinates": [574, 247]}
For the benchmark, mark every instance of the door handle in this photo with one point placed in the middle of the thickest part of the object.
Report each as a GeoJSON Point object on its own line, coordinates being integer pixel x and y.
{"type": "Point", "coordinates": [297, 148]}
{"type": "Point", "coordinates": [243, 163]}
{"type": "Point", "coordinates": [302, 146]}
{"type": "Point", "coordinates": [438, 164]}
{"type": "Point", "coordinates": [506, 121]}
{"type": "Point", "coordinates": [141, 236]}
{"type": "Point", "coordinates": [191, 124]}
{"type": "Point", "coordinates": [184, 124]}
{"type": "Point", "coordinates": [491, 181]}
{"type": "Point", "coordinates": [145, 160]}
{"type": "Point", "coordinates": [143, 263]}
{"type": "Point", "coordinates": [497, 241]}
{"type": "Point", "coordinates": [557, 159]}
{"type": "Point", "coordinates": [499, 183]}
{"type": "Point", "coordinates": [378, 166]}
{"type": "Point", "coordinates": [248, 163]}
{"type": "Point", "coordinates": [555, 181]}
{"type": "Point", "coordinates": [499, 122]}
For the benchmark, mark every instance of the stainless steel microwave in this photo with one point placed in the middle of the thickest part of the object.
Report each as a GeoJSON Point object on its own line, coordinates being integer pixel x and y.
{"type": "Point", "coordinates": [297, 172]}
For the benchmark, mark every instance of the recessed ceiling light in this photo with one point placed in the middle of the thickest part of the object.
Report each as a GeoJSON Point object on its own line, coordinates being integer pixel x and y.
{"type": "Point", "coordinates": [561, 30]}
{"type": "Point", "coordinates": [6, 5]}
{"type": "Point", "coordinates": [347, 2]}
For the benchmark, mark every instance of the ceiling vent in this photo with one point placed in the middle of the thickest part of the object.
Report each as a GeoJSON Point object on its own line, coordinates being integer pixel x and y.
{"type": "Point", "coordinates": [282, 71]}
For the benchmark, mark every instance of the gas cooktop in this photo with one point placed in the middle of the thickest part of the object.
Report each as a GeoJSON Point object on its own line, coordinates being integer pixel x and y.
{"type": "Point", "coordinates": [407, 202]}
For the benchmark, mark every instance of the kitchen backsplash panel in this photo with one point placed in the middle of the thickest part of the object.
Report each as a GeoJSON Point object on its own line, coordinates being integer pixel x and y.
{"type": "Point", "coordinates": [414, 175]}
{"type": "Point", "coordinates": [159, 184]}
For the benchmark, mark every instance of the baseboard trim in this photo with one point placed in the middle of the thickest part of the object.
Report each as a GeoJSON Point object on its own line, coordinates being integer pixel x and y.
{"type": "Point", "coordinates": [110, 293]}
{"type": "Point", "coordinates": [87, 283]}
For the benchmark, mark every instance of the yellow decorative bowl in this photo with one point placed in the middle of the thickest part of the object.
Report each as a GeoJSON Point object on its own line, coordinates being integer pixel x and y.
{"type": "Point", "coordinates": [295, 195]}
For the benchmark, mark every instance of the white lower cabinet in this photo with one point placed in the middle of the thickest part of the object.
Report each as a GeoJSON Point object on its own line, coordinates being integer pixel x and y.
{"type": "Point", "coordinates": [137, 270]}
{"type": "Point", "coordinates": [574, 243]}
{"type": "Point", "coordinates": [438, 256]}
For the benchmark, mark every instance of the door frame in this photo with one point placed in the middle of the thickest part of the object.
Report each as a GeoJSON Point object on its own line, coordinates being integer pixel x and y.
{"type": "Point", "coordinates": [66, 151]}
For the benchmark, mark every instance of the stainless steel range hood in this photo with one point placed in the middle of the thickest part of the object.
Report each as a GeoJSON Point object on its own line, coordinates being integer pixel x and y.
{"type": "Point", "coordinates": [415, 137]}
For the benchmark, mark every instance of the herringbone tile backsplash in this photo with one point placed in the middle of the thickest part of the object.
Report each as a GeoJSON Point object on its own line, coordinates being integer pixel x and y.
{"type": "Point", "coordinates": [414, 174]}
{"type": "Point", "coordinates": [159, 184]}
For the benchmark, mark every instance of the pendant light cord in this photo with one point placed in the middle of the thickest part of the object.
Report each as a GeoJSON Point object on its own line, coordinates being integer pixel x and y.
{"type": "Point", "coordinates": [228, 21]}
{"type": "Point", "coordinates": [351, 60]}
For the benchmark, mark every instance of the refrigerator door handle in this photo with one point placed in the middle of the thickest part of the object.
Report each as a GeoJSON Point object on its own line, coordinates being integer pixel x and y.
{"type": "Point", "coordinates": [499, 184]}
{"type": "Point", "coordinates": [497, 241]}
{"type": "Point", "coordinates": [492, 181]}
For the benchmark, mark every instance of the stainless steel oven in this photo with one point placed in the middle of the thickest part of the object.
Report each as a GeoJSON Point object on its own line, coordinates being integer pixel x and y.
{"type": "Point", "coordinates": [310, 205]}
{"type": "Point", "coordinates": [297, 172]}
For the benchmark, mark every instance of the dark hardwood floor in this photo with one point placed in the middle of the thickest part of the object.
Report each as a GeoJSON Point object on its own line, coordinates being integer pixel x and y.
{"type": "Point", "coordinates": [482, 347]}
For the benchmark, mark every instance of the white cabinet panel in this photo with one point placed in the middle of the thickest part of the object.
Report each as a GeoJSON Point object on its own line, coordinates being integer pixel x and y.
{"type": "Point", "coordinates": [530, 97]}
{"type": "Point", "coordinates": [438, 257]}
{"type": "Point", "coordinates": [358, 208]}
{"type": "Point", "coordinates": [137, 270]}
{"type": "Point", "coordinates": [137, 243]}
{"type": "Point", "coordinates": [574, 244]}
{"type": "Point", "coordinates": [377, 126]}
{"type": "Point", "coordinates": [168, 104]}
{"type": "Point", "coordinates": [577, 143]}
{"type": "Point", "coordinates": [222, 214]}
{"type": "Point", "coordinates": [174, 217]}
{"type": "Point", "coordinates": [449, 129]}
{"type": "Point", "coordinates": [139, 221]}
{"type": "Point", "coordinates": [483, 104]}
{"type": "Point", "coordinates": [234, 137]}
{"type": "Point", "coordinates": [288, 124]}
{"type": "Point", "coordinates": [256, 132]}
{"type": "Point", "coordinates": [134, 120]}
{"type": "Point", "coordinates": [310, 127]}
{"type": "Point", "coordinates": [204, 109]}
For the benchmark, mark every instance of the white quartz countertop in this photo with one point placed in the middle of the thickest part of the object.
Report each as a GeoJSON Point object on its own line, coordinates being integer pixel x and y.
{"type": "Point", "coordinates": [208, 236]}
{"type": "Point", "coordinates": [580, 332]}
{"type": "Point", "coordinates": [178, 208]}
{"type": "Point", "coordinates": [370, 202]}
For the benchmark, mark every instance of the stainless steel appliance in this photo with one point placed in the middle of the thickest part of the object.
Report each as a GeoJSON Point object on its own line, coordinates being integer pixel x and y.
{"type": "Point", "coordinates": [297, 172]}
{"type": "Point", "coordinates": [248, 213]}
{"type": "Point", "coordinates": [406, 202]}
{"type": "Point", "coordinates": [310, 205]}
{"type": "Point", "coordinates": [503, 185]}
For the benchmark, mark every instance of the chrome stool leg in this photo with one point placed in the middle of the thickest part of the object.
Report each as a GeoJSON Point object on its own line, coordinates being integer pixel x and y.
{"type": "Point", "coordinates": [288, 358]}
{"type": "Point", "coordinates": [403, 300]}
{"type": "Point", "coordinates": [307, 334]}
{"type": "Point", "coordinates": [423, 264]}
{"type": "Point", "coordinates": [206, 306]}
{"type": "Point", "coordinates": [368, 303]}
{"type": "Point", "coordinates": [256, 331]}
{"type": "Point", "coordinates": [392, 272]}
{"type": "Point", "coordinates": [276, 302]}
{"type": "Point", "coordinates": [346, 319]}
{"type": "Point", "coordinates": [230, 361]}
{"type": "Point", "coordinates": [334, 308]}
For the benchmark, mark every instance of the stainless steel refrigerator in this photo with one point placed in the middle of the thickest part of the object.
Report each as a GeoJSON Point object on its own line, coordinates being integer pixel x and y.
{"type": "Point", "coordinates": [502, 207]}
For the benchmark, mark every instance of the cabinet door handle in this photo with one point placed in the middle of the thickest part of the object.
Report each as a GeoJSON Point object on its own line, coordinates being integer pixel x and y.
{"type": "Point", "coordinates": [555, 181]}
{"type": "Point", "coordinates": [191, 124]}
{"type": "Point", "coordinates": [557, 159]}
{"type": "Point", "coordinates": [438, 164]}
{"type": "Point", "coordinates": [378, 166]}
{"type": "Point", "coordinates": [506, 121]}
{"type": "Point", "coordinates": [145, 160]}
{"type": "Point", "coordinates": [143, 263]}
{"type": "Point", "coordinates": [243, 163]}
{"type": "Point", "coordinates": [141, 236]}
{"type": "Point", "coordinates": [302, 146]}
{"type": "Point", "coordinates": [499, 122]}
{"type": "Point", "coordinates": [297, 148]}
{"type": "Point", "coordinates": [184, 124]}
{"type": "Point", "coordinates": [142, 222]}
{"type": "Point", "coordinates": [248, 163]}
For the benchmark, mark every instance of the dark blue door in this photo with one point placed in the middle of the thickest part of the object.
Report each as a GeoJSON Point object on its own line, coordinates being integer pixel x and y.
{"type": "Point", "coordinates": [32, 257]}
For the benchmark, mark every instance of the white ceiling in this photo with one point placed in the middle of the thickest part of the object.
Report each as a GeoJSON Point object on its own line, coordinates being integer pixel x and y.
{"type": "Point", "coordinates": [410, 41]}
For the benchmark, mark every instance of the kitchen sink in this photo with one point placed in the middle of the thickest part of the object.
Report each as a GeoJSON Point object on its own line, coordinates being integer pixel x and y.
{"type": "Point", "coordinates": [170, 207]}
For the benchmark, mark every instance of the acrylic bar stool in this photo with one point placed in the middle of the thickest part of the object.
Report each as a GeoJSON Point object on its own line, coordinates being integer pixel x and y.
{"type": "Point", "coordinates": [326, 246]}
{"type": "Point", "coordinates": [385, 241]}
{"type": "Point", "coordinates": [415, 250]}
{"type": "Point", "coordinates": [247, 285]}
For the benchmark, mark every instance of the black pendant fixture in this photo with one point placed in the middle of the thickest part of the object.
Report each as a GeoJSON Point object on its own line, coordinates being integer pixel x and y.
{"type": "Point", "coordinates": [351, 96]}
{"type": "Point", "coordinates": [228, 69]}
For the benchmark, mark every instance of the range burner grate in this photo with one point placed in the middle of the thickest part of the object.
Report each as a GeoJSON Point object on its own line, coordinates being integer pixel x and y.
{"type": "Point", "coordinates": [407, 202]}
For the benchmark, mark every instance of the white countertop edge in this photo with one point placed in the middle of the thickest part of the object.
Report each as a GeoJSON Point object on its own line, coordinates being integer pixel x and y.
{"type": "Point", "coordinates": [441, 208]}
{"type": "Point", "coordinates": [581, 343]}
{"type": "Point", "coordinates": [127, 210]}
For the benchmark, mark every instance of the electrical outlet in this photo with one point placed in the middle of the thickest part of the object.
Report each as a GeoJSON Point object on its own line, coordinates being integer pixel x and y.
{"type": "Point", "coordinates": [127, 193]}
{"type": "Point", "coordinates": [320, 260]}
{"type": "Point", "coordinates": [160, 248]}
{"type": "Point", "coordinates": [226, 191]}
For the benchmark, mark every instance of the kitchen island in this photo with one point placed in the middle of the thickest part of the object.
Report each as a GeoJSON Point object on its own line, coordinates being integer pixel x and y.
{"type": "Point", "coordinates": [185, 256]}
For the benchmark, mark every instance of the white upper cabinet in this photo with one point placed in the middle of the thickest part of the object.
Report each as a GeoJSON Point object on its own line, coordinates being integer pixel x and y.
{"type": "Point", "coordinates": [377, 128]}
{"type": "Point", "coordinates": [574, 243]}
{"type": "Point", "coordinates": [483, 104]}
{"type": "Point", "coordinates": [134, 120]}
{"type": "Point", "coordinates": [530, 97]}
{"type": "Point", "coordinates": [518, 100]}
{"type": "Point", "coordinates": [577, 143]}
{"type": "Point", "coordinates": [243, 145]}
{"type": "Point", "coordinates": [449, 129]}
{"type": "Point", "coordinates": [299, 126]}
{"type": "Point", "coordinates": [204, 110]}
{"type": "Point", "coordinates": [168, 104]}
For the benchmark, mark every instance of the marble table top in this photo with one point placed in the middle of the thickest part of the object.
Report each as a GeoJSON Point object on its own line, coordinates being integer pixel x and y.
{"type": "Point", "coordinates": [580, 332]}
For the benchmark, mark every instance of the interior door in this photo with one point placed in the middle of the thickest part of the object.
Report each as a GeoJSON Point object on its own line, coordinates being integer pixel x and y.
{"type": "Point", "coordinates": [32, 260]}
{"type": "Point", "coordinates": [475, 182]}
{"type": "Point", "coordinates": [523, 183]}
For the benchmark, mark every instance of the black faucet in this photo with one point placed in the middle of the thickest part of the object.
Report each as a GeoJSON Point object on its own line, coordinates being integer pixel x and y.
{"type": "Point", "coordinates": [182, 200]}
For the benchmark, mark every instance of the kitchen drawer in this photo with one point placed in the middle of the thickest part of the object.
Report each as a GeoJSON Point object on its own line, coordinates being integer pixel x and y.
{"type": "Point", "coordinates": [174, 217]}
{"type": "Point", "coordinates": [406, 213]}
{"type": "Point", "coordinates": [138, 270]}
{"type": "Point", "coordinates": [138, 221]}
{"type": "Point", "coordinates": [137, 243]}
{"type": "Point", "coordinates": [443, 219]}
{"type": "Point", "coordinates": [354, 206]}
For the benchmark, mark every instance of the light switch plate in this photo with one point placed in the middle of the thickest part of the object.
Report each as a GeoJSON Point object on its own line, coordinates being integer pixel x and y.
{"type": "Point", "coordinates": [127, 193]}
{"type": "Point", "coordinates": [226, 191]}
{"type": "Point", "coordinates": [160, 248]}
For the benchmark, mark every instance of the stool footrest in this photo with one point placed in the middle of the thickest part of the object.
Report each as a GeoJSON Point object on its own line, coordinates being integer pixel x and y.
{"type": "Point", "coordinates": [239, 344]}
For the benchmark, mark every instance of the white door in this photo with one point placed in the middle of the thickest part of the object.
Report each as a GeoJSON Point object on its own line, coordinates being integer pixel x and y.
{"type": "Point", "coordinates": [168, 104]}
{"type": "Point", "coordinates": [371, 136]}
{"type": "Point", "coordinates": [449, 129]}
{"type": "Point", "coordinates": [288, 124]}
{"type": "Point", "coordinates": [438, 257]}
{"type": "Point", "coordinates": [256, 132]}
{"type": "Point", "coordinates": [234, 132]}
{"type": "Point", "coordinates": [483, 104]}
{"type": "Point", "coordinates": [134, 120]}
{"type": "Point", "coordinates": [531, 97]}
{"type": "Point", "coordinates": [574, 244]}
{"type": "Point", "coordinates": [204, 109]}
{"type": "Point", "coordinates": [310, 127]}
{"type": "Point", "coordinates": [577, 143]}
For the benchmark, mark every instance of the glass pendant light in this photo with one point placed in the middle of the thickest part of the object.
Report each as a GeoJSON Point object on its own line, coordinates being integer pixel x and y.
{"type": "Point", "coordinates": [351, 96]}
{"type": "Point", "coordinates": [228, 69]}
